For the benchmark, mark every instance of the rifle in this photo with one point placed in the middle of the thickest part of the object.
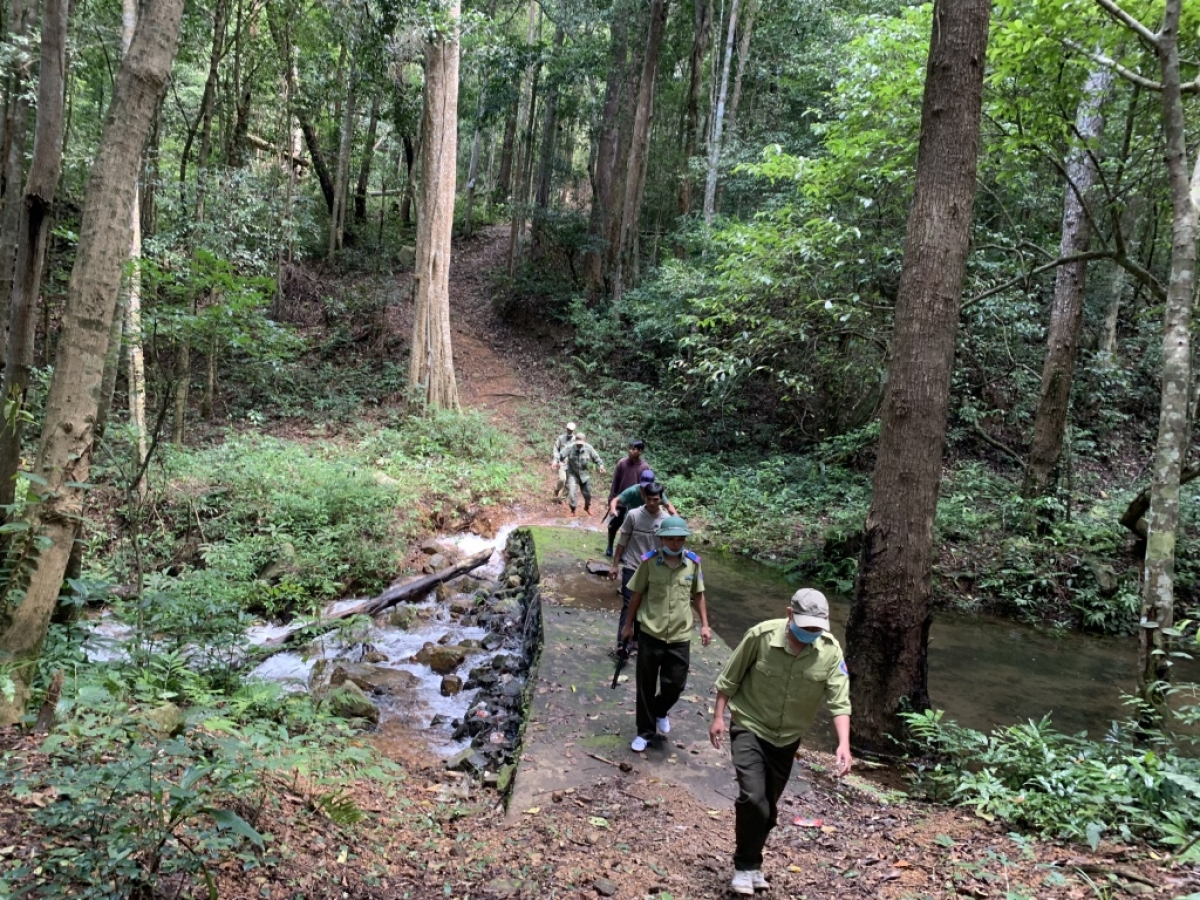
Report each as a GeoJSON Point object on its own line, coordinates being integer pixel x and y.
{"type": "Point", "coordinates": [622, 658]}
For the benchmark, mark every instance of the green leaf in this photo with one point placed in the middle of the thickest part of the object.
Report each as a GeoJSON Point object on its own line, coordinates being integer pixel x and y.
{"type": "Point", "coordinates": [231, 821]}
{"type": "Point", "coordinates": [1094, 830]}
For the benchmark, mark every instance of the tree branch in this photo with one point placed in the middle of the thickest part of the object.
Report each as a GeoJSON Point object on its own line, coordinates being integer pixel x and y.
{"type": "Point", "coordinates": [1055, 263]}
{"type": "Point", "coordinates": [1124, 71]}
{"type": "Point", "coordinates": [1128, 21]}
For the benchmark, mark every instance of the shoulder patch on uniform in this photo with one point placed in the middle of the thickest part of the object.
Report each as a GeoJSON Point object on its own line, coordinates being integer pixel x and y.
{"type": "Point", "coordinates": [694, 557]}
{"type": "Point", "coordinates": [842, 668]}
{"type": "Point", "coordinates": [649, 554]}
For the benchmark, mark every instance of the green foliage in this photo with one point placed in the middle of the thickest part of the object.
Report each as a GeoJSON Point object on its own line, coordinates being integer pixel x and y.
{"type": "Point", "coordinates": [265, 525]}
{"type": "Point", "coordinates": [272, 527]}
{"type": "Point", "coordinates": [118, 807]}
{"type": "Point", "coordinates": [1036, 778]}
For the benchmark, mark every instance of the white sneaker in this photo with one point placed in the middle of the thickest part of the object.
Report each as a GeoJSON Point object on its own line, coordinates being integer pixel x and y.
{"type": "Point", "coordinates": [639, 744]}
{"type": "Point", "coordinates": [663, 725]}
{"type": "Point", "coordinates": [743, 882]}
{"type": "Point", "coordinates": [760, 883]}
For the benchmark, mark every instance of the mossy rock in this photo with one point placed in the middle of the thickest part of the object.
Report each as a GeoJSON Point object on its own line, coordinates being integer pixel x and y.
{"type": "Point", "coordinates": [348, 701]}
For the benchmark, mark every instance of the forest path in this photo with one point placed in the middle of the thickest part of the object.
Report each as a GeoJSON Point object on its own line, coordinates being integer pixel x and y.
{"type": "Point", "coordinates": [504, 372]}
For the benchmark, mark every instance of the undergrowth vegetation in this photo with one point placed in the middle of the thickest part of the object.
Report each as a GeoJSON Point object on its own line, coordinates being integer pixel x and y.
{"type": "Point", "coordinates": [157, 772]}
{"type": "Point", "coordinates": [271, 526]}
{"type": "Point", "coordinates": [1132, 785]}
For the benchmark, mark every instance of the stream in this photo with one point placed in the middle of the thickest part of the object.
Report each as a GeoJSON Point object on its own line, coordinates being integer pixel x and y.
{"type": "Point", "coordinates": [983, 671]}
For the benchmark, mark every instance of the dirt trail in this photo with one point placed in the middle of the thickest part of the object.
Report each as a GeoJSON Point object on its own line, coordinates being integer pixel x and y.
{"type": "Point", "coordinates": [505, 372]}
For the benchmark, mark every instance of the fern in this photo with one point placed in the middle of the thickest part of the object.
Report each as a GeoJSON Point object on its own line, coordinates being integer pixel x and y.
{"type": "Point", "coordinates": [339, 807]}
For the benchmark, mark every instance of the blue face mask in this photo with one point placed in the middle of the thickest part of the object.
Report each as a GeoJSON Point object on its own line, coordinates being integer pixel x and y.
{"type": "Point", "coordinates": [804, 637]}
{"type": "Point", "coordinates": [670, 552]}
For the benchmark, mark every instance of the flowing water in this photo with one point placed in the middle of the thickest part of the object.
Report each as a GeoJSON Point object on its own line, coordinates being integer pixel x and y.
{"type": "Point", "coordinates": [983, 671]}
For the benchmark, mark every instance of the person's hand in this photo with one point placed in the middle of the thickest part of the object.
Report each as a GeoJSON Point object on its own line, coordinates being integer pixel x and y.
{"type": "Point", "coordinates": [716, 732]}
{"type": "Point", "coordinates": [705, 635]}
{"type": "Point", "coordinates": [612, 572]}
{"type": "Point", "coordinates": [844, 762]}
{"type": "Point", "coordinates": [627, 632]}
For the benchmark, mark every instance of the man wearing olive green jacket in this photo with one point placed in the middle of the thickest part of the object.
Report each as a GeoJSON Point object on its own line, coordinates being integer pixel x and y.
{"type": "Point", "coordinates": [772, 686]}
{"type": "Point", "coordinates": [666, 587]}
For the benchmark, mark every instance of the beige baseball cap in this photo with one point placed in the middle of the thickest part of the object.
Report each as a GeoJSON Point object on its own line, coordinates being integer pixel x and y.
{"type": "Point", "coordinates": [810, 609]}
{"type": "Point", "coordinates": [570, 426]}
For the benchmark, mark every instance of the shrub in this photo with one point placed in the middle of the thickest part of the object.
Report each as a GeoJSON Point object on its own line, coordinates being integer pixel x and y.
{"type": "Point", "coordinates": [1034, 777]}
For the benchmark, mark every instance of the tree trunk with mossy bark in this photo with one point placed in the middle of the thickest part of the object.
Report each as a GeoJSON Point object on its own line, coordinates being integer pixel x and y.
{"type": "Point", "coordinates": [888, 631]}
{"type": "Point", "coordinates": [64, 458]}
{"type": "Point", "coordinates": [1174, 417]}
{"type": "Point", "coordinates": [33, 212]}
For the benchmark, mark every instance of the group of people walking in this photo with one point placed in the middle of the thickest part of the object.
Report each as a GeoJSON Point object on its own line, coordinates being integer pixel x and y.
{"type": "Point", "coordinates": [771, 685]}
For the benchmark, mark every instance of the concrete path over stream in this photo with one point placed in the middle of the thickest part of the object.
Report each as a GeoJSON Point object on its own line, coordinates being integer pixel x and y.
{"type": "Point", "coordinates": [579, 728]}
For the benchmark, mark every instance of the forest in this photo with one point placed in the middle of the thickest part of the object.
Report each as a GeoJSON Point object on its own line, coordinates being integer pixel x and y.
{"type": "Point", "coordinates": [899, 295]}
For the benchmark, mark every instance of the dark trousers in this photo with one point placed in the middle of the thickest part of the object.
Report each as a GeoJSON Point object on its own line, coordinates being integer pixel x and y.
{"type": "Point", "coordinates": [662, 671]}
{"type": "Point", "coordinates": [614, 524]}
{"type": "Point", "coordinates": [762, 773]}
{"type": "Point", "coordinates": [626, 574]}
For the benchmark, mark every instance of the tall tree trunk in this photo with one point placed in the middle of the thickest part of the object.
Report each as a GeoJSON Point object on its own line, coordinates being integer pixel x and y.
{"type": "Point", "coordinates": [472, 173]}
{"type": "Point", "coordinates": [235, 147]}
{"type": "Point", "coordinates": [281, 34]}
{"type": "Point", "coordinates": [690, 131]}
{"type": "Point", "coordinates": [183, 382]}
{"type": "Point", "coordinates": [604, 179]}
{"type": "Point", "coordinates": [520, 195]}
{"type": "Point", "coordinates": [1174, 418]}
{"type": "Point", "coordinates": [635, 170]}
{"type": "Point", "coordinates": [136, 377]}
{"type": "Point", "coordinates": [504, 179]}
{"type": "Point", "coordinates": [888, 631]}
{"type": "Point", "coordinates": [364, 170]}
{"type": "Point", "coordinates": [739, 80]}
{"type": "Point", "coordinates": [64, 459]}
{"type": "Point", "coordinates": [34, 230]}
{"type": "Point", "coordinates": [545, 179]}
{"type": "Point", "coordinates": [1066, 311]}
{"type": "Point", "coordinates": [431, 358]}
{"type": "Point", "coordinates": [1127, 235]}
{"type": "Point", "coordinates": [338, 216]}
{"type": "Point", "coordinates": [410, 159]}
{"type": "Point", "coordinates": [714, 143]}
{"type": "Point", "coordinates": [16, 126]}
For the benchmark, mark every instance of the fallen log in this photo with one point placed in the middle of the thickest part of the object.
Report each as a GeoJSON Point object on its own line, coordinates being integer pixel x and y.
{"type": "Point", "coordinates": [410, 590]}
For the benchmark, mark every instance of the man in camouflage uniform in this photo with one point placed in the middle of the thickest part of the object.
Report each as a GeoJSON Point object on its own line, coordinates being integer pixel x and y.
{"type": "Point", "coordinates": [562, 441]}
{"type": "Point", "coordinates": [576, 458]}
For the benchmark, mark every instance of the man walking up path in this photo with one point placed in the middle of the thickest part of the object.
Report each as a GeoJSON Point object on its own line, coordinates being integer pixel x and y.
{"type": "Point", "coordinates": [666, 587]}
{"type": "Point", "coordinates": [562, 441]}
{"type": "Point", "coordinates": [772, 685]}
{"type": "Point", "coordinates": [639, 536]}
{"type": "Point", "coordinates": [626, 474]}
{"type": "Point", "coordinates": [576, 458]}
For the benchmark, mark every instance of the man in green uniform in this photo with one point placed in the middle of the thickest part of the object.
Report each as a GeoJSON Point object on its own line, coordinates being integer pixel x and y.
{"type": "Point", "coordinates": [664, 590]}
{"type": "Point", "coordinates": [772, 686]}
{"type": "Point", "coordinates": [576, 458]}
{"type": "Point", "coordinates": [633, 497]}
{"type": "Point", "coordinates": [563, 440]}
